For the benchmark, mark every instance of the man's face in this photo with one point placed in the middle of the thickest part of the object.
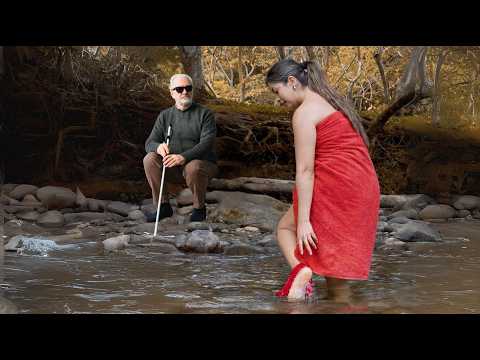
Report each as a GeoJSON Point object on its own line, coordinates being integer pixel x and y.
{"type": "Point", "coordinates": [185, 97]}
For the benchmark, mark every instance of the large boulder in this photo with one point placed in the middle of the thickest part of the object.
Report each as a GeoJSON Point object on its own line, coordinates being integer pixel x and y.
{"type": "Point", "coordinates": [95, 204]}
{"type": "Point", "coordinates": [392, 201]}
{"type": "Point", "coordinates": [467, 202]}
{"type": "Point", "coordinates": [410, 214]}
{"type": "Point", "coordinates": [91, 216]}
{"type": "Point", "coordinates": [417, 202]}
{"type": "Point", "coordinates": [81, 201]}
{"type": "Point", "coordinates": [415, 231]}
{"type": "Point", "coordinates": [121, 208]}
{"type": "Point", "coordinates": [240, 208]}
{"type": "Point", "coordinates": [21, 190]}
{"type": "Point", "coordinates": [202, 241]}
{"type": "Point", "coordinates": [50, 219]}
{"type": "Point", "coordinates": [437, 212]}
{"type": "Point", "coordinates": [55, 197]}
{"type": "Point", "coordinates": [116, 243]}
{"type": "Point", "coordinates": [28, 215]}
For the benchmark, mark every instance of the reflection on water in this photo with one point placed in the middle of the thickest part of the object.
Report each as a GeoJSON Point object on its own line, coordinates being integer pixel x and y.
{"type": "Point", "coordinates": [429, 278]}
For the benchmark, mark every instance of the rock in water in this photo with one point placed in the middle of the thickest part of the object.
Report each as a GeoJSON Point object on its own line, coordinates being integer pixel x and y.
{"type": "Point", "coordinates": [116, 243]}
{"type": "Point", "coordinates": [52, 218]}
{"type": "Point", "coordinates": [202, 241]}
{"type": "Point", "coordinates": [417, 231]}
{"type": "Point", "coordinates": [437, 212]}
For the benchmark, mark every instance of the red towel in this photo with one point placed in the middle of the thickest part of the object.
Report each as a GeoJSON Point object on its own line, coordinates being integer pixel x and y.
{"type": "Point", "coordinates": [345, 202]}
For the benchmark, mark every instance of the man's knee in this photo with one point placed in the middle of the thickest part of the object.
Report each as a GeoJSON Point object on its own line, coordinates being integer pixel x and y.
{"type": "Point", "coordinates": [150, 159]}
{"type": "Point", "coordinates": [193, 168]}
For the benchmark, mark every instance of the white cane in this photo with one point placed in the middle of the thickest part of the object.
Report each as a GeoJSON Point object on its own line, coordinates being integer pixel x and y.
{"type": "Point", "coordinates": [161, 186]}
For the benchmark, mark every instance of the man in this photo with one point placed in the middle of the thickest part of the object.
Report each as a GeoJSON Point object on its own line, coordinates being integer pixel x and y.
{"type": "Point", "coordinates": [190, 155]}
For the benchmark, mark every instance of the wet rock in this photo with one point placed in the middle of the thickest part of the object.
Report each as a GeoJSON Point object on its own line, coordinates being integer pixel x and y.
{"type": "Point", "coordinates": [437, 212]}
{"type": "Point", "coordinates": [185, 210]}
{"type": "Point", "coordinates": [383, 218]}
{"type": "Point", "coordinates": [416, 231]}
{"type": "Point", "coordinates": [243, 249]}
{"type": "Point", "coordinates": [81, 201]}
{"type": "Point", "coordinates": [150, 208]}
{"type": "Point", "coordinates": [137, 215]}
{"type": "Point", "coordinates": [207, 226]}
{"type": "Point", "coordinates": [96, 205]}
{"type": "Point", "coordinates": [161, 247]}
{"type": "Point", "coordinates": [146, 228]}
{"type": "Point", "coordinates": [13, 243]}
{"type": "Point", "coordinates": [51, 218]}
{"type": "Point", "coordinates": [251, 228]}
{"type": "Point", "coordinates": [392, 201]}
{"type": "Point", "coordinates": [116, 243]}
{"type": "Point", "coordinates": [20, 191]}
{"type": "Point", "coordinates": [268, 240]}
{"type": "Point", "coordinates": [467, 202]}
{"type": "Point", "coordinates": [17, 227]}
{"type": "Point", "coordinates": [28, 215]}
{"type": "Point", "coordinates": [417, 202]}
{"type": "Point", "coordinates": [410, 213]}
{"type": "Point", "coordinates": [399, 220]}
{"type": "Point", "coordinates": [54, 197]}
{"type": "Point", "coordinates": [463, 213]}
{"type": "Point", "coordinates": [243, 209]}
{"type": "Point", "coordinates": [121, 208]}
{"type": "Point", "coordinates": [476, 214]}
{"type": "Point", "coordinates": [202, 241]}
{"type": "Point", "coordinates": [90, 216]}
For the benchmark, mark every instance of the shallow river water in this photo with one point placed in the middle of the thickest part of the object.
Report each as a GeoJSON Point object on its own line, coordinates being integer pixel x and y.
{"type": "Point", "coordinates": [427, 278]}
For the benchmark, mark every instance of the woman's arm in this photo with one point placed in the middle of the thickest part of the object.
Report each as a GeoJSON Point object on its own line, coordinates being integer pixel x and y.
{"type": "Point", "coordinates": [305, 137]}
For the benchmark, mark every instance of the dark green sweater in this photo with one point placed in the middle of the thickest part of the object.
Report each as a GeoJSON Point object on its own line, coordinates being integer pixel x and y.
{"type": "Point", "coordinates": [192, 136]}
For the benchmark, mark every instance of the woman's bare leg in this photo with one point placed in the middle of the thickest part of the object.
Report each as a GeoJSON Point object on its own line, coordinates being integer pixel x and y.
{"type": "Point", "coordinates": [287, 241]}
{"type": "Point", "coordinates": [338, 290]}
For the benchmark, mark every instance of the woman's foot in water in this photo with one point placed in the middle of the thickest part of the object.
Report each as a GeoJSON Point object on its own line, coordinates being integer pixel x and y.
{"type": "Point", "coordinates": [298, 290]}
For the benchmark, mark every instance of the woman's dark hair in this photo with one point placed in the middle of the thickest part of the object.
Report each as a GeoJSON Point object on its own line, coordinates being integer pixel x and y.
{"type": "Point", "coordinates": [309, 73]}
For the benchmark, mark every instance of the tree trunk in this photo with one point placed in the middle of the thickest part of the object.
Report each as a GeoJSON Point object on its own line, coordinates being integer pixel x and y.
{"type": "Point", "coordinates": [413, 86]}
{"type": "Point", "coordinates": [378, 59]}
{"type": "Point", "coordinates": [414, 77]}
{"type": "Point", "coordinates": [241, 77]}
{"type": "Point", "coordinates": [191, 57]}
{"type": "Point", "coordinates": [310, 53]}
{"type": "Point", "coordinates": [436, 90]}
{"type": "Point", "coordinates": [281, 52]}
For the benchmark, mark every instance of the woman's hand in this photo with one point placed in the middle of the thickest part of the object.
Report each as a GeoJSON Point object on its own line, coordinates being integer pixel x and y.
{"type": "Point", "coordinates": [306, 237]}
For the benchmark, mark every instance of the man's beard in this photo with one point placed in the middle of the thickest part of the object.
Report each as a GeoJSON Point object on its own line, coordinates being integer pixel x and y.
{"type": "Point", "coordinates": [185, 101]}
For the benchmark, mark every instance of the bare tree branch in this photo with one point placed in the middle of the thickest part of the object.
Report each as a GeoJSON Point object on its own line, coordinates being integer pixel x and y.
{"type": "Point", "coordinates": [378, 59]}
{"type": "Point", "coordinates": [436, 89]}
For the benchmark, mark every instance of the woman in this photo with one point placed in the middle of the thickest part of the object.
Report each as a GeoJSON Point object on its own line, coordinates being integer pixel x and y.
{"type": "Point", "coordinates": [331, 227]}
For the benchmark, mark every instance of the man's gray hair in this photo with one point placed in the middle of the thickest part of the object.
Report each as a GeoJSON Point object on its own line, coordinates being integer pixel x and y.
{"type": "Point", "coordinates": [176, 76]}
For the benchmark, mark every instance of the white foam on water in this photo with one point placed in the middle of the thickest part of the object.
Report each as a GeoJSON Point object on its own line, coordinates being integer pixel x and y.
{"type": "Point", "coordinates": [40, 246]}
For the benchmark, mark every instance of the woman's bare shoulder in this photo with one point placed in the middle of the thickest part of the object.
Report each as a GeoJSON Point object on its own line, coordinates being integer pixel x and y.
{"type": "Point", "coordinates": [312, 112]}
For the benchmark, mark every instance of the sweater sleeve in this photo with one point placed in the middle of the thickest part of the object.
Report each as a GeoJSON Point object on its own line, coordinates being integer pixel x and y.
{"type": "Point", "coordinates": [157, 135]}
{"type": "Point", "coordinates": [207, 138]}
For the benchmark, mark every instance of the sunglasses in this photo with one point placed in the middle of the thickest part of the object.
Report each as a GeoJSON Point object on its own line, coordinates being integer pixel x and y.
{"type": "Point", "coordinates": [179, 89]}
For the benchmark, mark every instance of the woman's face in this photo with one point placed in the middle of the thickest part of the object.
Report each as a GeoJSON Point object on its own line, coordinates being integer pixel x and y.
{"type": "Point", "coordinates": [285, 92]}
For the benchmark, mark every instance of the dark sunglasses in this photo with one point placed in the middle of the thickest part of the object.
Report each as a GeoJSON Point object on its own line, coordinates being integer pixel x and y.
{"type": "Point", "coordinates": [179, 89]}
